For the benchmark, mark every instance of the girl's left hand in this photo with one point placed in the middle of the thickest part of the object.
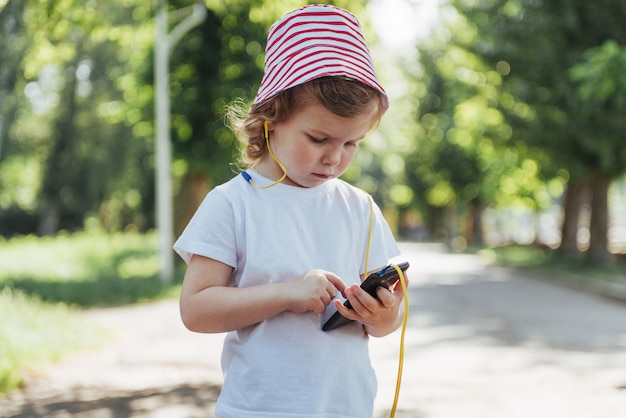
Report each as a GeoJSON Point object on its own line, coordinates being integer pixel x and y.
{"type": "Point", "coordinates": [381, 315]}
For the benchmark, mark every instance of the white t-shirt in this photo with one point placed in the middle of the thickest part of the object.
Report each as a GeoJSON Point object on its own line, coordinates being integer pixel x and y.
{"type": "Point", "coordinates": [286, 366]}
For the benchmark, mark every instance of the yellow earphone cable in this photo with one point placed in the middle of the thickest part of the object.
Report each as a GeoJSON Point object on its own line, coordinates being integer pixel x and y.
{"type": "Point", "coordinates": [369, 236]}
{"type": "Point", "coordinates": [405, 320]}
{"type": "Point", "coordinates": [274, 157]}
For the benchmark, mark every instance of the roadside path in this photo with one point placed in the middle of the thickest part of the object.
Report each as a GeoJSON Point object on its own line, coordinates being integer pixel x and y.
{"type": "Point", "coordinates": [153, 367]}
{"type": "Point", "coordinates": [482, 343]}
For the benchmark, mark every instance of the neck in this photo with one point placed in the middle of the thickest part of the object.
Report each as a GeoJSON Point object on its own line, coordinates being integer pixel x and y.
{"type": "Point", "coordinates": [269, 169]}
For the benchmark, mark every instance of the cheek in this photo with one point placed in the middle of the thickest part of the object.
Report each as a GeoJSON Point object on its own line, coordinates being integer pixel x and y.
{"type": "Point", "coordinates": [303, 155]}
{"type": "Point", "coordinates": [348, 156]}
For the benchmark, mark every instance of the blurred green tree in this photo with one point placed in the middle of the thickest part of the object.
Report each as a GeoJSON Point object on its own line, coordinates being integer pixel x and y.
{"type": "Point", "coordinates": [539, 43]}
{"type": "Point", "coordinates": [77, 112]}
{"type": "Point", "coordinates": [466, 158]}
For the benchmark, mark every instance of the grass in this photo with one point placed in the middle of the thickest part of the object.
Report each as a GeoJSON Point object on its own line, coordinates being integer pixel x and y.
{"type": "Point", "coordinates": [85, 269]}
{"type": "Point", "coordinates": [578, 271]}
{"type": "Point", "coordinates": [34, 334]}
{"type": "Point", "coordinates": [44, 282]}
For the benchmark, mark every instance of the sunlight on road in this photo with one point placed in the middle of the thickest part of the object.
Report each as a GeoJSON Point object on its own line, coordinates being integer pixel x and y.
{"type": "Point", "coordinates": [483, 343]}
{"type": "Point", "coordinates": [434, 259]}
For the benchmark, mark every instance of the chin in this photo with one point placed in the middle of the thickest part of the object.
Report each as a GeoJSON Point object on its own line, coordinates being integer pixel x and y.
{"type": "Point", "coordinates": [306, 182]}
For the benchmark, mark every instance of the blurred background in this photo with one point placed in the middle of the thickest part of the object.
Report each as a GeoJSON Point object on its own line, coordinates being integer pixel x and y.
{"type": "Point", "coordinates": [505, 134]}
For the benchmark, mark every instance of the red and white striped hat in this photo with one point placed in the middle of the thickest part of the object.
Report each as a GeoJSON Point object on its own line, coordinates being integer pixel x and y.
{"type": "Point", "coordinates": [312, 42]}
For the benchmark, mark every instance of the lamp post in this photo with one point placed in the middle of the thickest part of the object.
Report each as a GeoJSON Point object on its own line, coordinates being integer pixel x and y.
{"type": "Point", "coordinates": [188, 18]}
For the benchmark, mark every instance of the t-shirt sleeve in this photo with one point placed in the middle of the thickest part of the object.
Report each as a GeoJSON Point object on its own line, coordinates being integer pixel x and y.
{"type": "Point", "coordinates": [211, 231]}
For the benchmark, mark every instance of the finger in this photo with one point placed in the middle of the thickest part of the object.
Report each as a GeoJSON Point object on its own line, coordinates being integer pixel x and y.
{"type": "Point", "coordinates": [336, 281]}
{"type": "Point", "coordinates": [347, 312]}
{"type": "Point", "coordinates": [398, 285]}
{"type": "Point", "coordinates": [319, 308]}
{"type": "Point", "coordinates": [331, 291]}
{"type": "Point", "coordinates": [387, 298]}
{"type": "Point", "coordinates": [322, 302]}
{"type": "Point", "coordinates": [327, 298]}
{"type": "Point", "coordinates": [362, 302]}
{"type": "Point", "coordinates": [398, 290]}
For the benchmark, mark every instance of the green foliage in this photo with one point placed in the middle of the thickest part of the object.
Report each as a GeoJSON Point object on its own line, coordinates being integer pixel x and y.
{"type": "Point", "coordinates": [600, 85]}
{"type": "Point", "coordinates": [602, 81]}
{"type": "Point", "coordinates": [561, 90]}
{"type": "Point", "coordinates": [215, 64]}
{"type": "Point", "coordinates": [34, 334]}
{"type": "Point", "coordinates": [466, 155]}
{"type": "Point", "coordinates": [83, 119]}
{"type": "Point", "coordinates": [76, 96]}
{"type": "Point", "coordinates": [543, 43]}
{"type": "Point", "coordinates": [523, 96]}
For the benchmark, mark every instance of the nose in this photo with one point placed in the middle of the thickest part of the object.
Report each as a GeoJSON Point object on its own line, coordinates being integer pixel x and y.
{"type": "Point", "coordinates": [332, 156]}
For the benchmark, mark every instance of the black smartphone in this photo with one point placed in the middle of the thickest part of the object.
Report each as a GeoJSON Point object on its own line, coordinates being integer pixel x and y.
{"type": "Point", "coordinates": [385, 277]}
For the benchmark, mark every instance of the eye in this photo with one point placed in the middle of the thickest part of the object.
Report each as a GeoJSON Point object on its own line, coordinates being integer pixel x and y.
{"type": "Point", "coordinates": [316, 140]}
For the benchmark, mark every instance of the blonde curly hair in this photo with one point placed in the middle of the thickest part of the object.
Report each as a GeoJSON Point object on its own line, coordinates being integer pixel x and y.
{"type": "Point", "coordinates": [343, 96]}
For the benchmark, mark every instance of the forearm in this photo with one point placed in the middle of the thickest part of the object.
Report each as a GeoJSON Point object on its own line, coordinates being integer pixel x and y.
{"type": "Point", "coordinates": [220, 308]}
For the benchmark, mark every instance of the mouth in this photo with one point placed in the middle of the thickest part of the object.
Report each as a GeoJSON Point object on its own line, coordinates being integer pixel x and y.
{"type": "Point", "coordinates": [323, 176]}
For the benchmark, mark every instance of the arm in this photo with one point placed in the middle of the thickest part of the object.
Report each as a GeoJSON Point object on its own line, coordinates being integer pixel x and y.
{"type": "Point", "coordinates": [208, 304]}
{"type": "Point", "coordinates": [380, 316]}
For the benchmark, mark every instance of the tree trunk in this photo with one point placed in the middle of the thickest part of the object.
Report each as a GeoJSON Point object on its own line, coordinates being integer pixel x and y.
{"type": "Point", "coordinates": [435, 220]}
{"type": "Point", "coordinates": [451, 223]}
{"type": "Point", "coordinates": [60, 167]}
{"type": "Point", "coordinates": [474, 225]}
{"type": "Point", "coordinates": [575, 196]}
{"type": "Point", "coordinates": [192, 192]}
{"type": "Point", "coordinates": [13, 47]}
{"type": "Point", "coordinates": [599, 227]}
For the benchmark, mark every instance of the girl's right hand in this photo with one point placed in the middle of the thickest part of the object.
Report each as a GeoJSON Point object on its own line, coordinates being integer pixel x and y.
{"type": "Point", "coordinates": [209, 304]}
{"type": "Point", "coordinates": [313, 291]}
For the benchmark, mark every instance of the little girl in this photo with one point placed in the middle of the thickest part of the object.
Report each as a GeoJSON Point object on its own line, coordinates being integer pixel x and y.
{"type": "Point", "coordinates": [275, 250]}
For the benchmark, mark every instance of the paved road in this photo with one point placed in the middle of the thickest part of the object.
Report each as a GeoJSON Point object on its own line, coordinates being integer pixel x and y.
{"type": "Point", "coordinates": [482, 343]}
{"type": "Point", "coordinates": [486, 343]}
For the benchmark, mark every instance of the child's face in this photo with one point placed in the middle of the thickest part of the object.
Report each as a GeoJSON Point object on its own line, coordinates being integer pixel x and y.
{"type": "Point", "coordinates": [315, 145]}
